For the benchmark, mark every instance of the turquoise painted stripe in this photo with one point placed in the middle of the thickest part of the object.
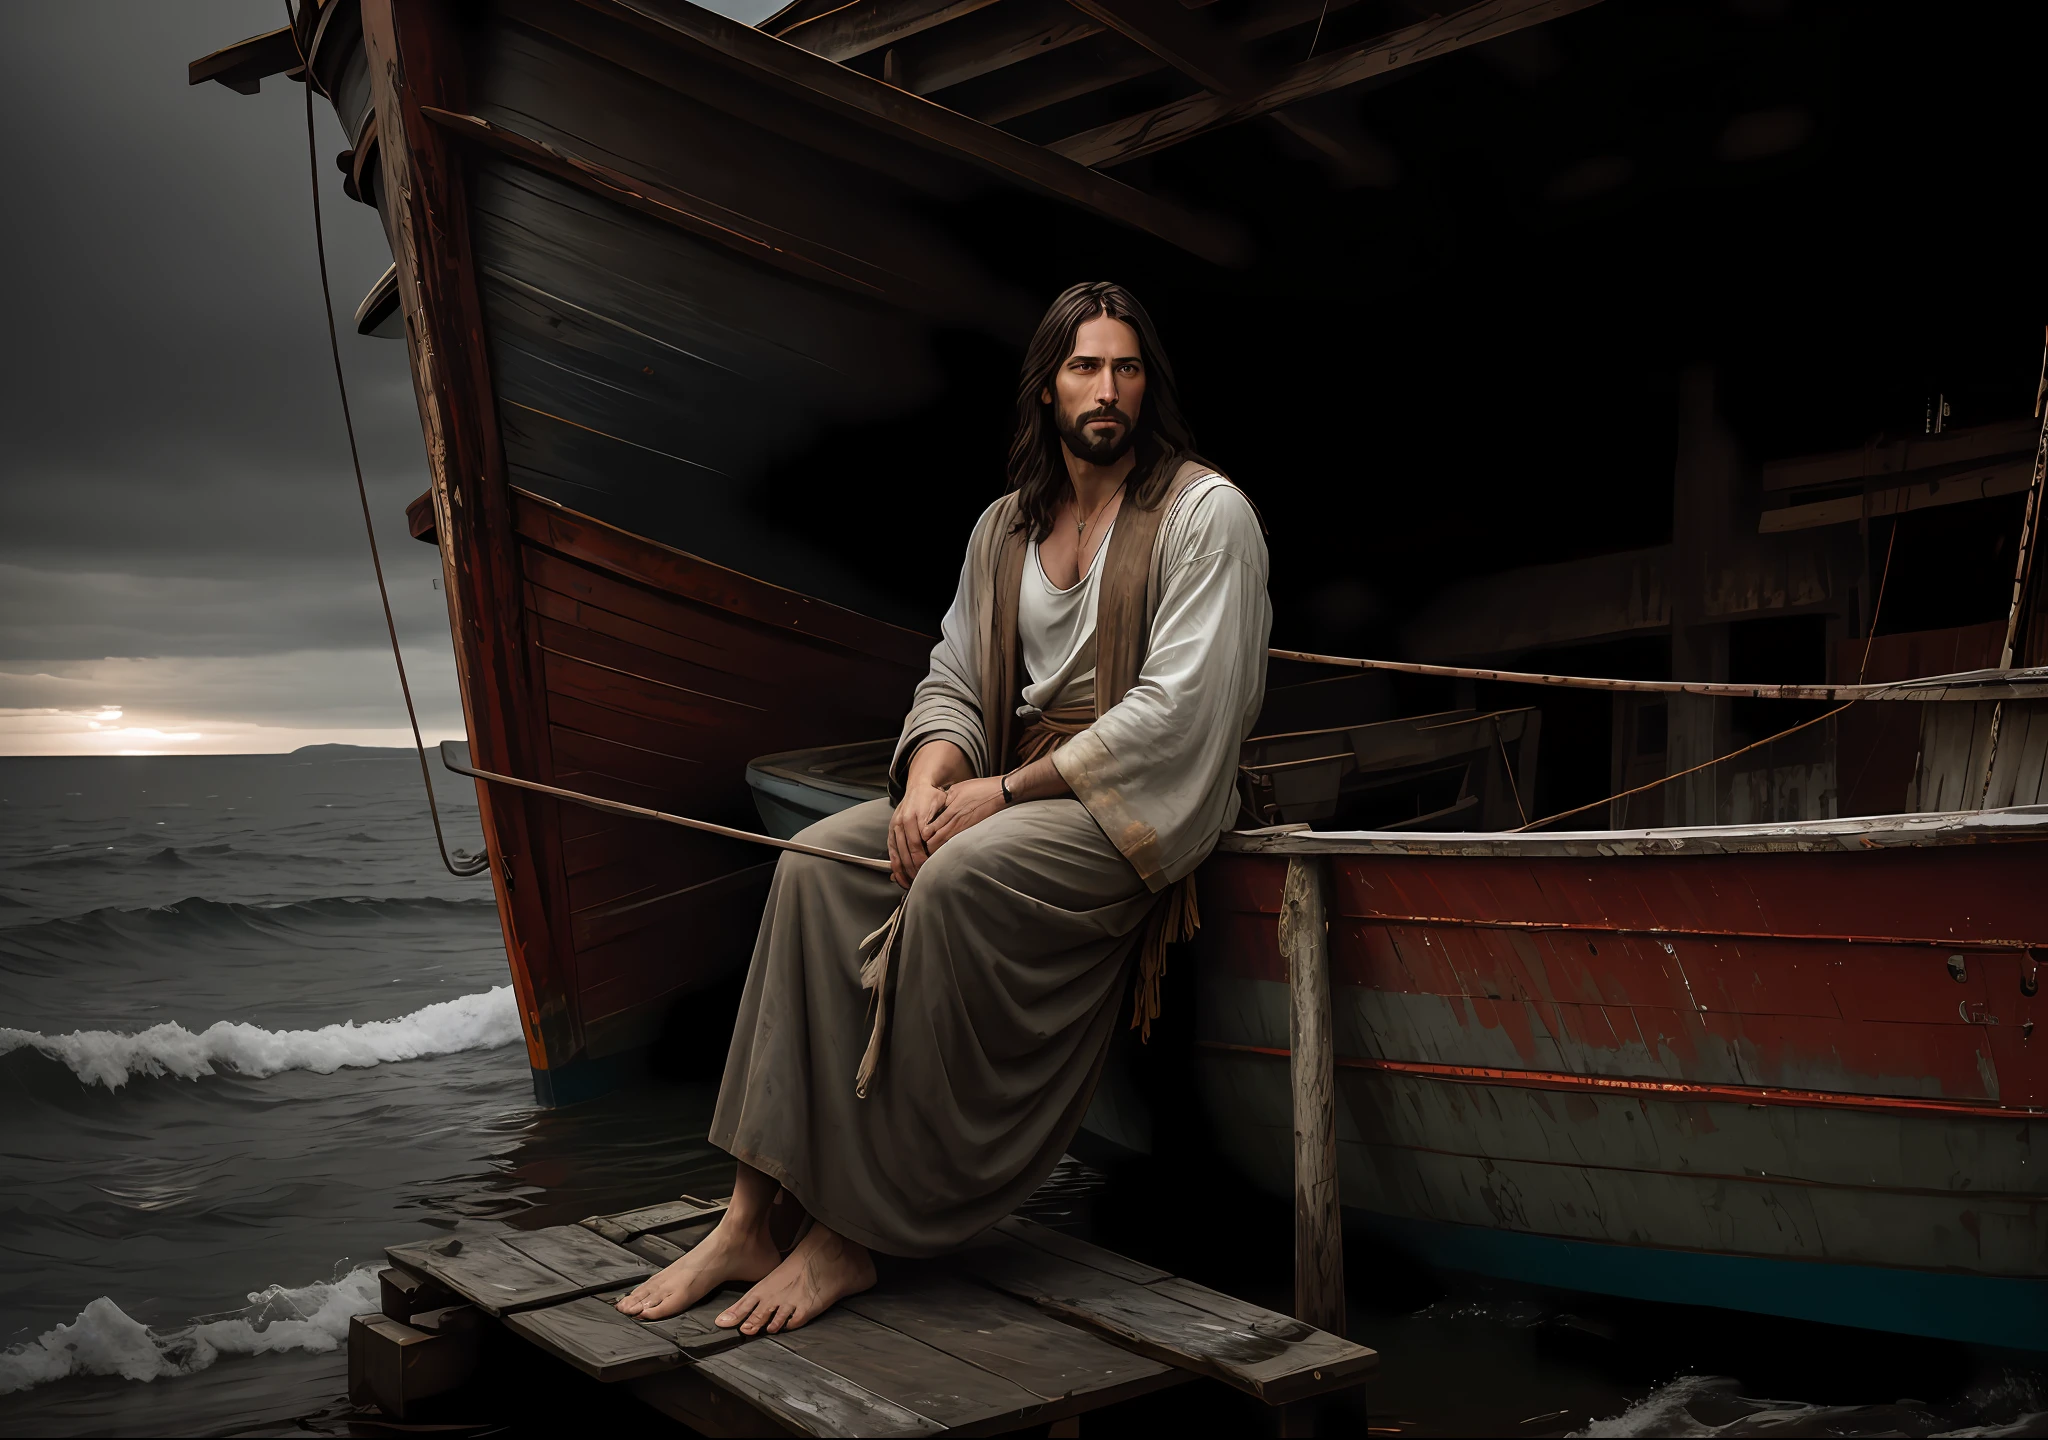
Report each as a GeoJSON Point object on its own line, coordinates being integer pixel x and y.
{"type": "Point", "coordinates": [1979, 1309]}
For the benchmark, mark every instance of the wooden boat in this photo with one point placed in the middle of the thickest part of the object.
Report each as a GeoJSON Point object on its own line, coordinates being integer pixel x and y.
{"type": "Point", "coordinates": [679, 296]}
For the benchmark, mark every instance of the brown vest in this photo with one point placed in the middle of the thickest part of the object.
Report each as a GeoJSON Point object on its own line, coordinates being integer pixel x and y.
{"type": "Point", "coordinates": [1126, 601]}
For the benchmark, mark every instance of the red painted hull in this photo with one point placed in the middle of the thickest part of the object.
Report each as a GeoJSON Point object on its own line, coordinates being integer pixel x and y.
{"type": "Point", "coordinates": [1810, 1063]}
{"type": "Point", "coordinates": [1823, 972]}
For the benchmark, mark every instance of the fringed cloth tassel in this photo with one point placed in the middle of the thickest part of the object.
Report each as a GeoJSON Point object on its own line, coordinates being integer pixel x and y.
{"type": "Point", "coordinates": [874, 978]}
{"type": "Point", "coordinates": [1175, 918]}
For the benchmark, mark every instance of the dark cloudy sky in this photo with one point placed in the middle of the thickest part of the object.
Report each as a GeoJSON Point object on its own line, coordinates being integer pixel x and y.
{"type": "Point", "coordinates": [180, 540]}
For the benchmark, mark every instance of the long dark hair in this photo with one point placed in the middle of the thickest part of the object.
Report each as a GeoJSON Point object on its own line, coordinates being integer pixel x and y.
{"type": "Point", "coordinates": [1038, 472]}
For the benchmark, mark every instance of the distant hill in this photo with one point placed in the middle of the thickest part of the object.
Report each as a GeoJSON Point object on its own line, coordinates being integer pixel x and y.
{"type": "Point", "coordinates": [349, 752]}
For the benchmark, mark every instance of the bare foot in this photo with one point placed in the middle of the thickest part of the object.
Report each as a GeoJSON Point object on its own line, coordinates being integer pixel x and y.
{"type": "Point", "coordinates": [733, 1251]}
{"type": "Point", "coordinates": [824, 1269]}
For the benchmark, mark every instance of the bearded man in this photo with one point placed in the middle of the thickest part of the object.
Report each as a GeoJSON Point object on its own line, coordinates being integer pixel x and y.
{"type": "Point", "coordinates": [1065, 766]}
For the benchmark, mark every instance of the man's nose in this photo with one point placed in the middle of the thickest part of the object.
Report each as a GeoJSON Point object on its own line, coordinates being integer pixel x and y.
{"type": "Point", "coordinates": [1106, 388]}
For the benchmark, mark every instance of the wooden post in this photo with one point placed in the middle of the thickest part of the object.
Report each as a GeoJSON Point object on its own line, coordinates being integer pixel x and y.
{"type": "Point", "coordinates": [1318, 1224]}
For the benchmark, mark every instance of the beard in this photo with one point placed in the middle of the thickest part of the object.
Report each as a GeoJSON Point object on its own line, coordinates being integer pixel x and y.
{"type": "Point", "coordinates": [1097, 449]}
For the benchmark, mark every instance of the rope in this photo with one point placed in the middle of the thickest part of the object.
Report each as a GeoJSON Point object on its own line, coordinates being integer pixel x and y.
{"type": "Point", "coordinates": [478, 864]}
{"type": "Point", "coordinates": [1667, 779]}
{"type": "Point", "coordinates": [1899, 689]}
{"type": "Point", "coordinates": [621, 807]}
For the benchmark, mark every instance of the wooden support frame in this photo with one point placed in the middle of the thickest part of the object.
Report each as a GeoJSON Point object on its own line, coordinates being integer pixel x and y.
{"type": "Point", "coordinates": [1318, 1212]}
{"type": "Point", "coordinates": [1168, 125]}
{"type": "Point", "coordinates": [1189, 44]}
{"type": "Point", "coordinates": [883, 108]}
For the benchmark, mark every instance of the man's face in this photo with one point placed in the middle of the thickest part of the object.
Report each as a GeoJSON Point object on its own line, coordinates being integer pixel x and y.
{"type": "Point", "coordinates": [1098, 394]}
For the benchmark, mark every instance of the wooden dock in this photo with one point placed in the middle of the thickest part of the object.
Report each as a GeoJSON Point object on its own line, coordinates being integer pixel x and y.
{"type": "Point", "coordinates": [1027, 1327]}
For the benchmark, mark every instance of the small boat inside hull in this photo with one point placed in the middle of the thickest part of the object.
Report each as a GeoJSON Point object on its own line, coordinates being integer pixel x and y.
{"type": "Point", "coordinates": [1687, 1067]}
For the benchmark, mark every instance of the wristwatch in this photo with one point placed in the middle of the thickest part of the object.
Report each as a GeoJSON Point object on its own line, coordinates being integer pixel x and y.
{"type": "Point", "coordinates": [1008, 798]}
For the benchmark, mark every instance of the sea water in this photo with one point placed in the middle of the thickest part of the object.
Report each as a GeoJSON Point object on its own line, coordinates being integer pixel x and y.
{"type": "Point", "coordinates": [251, 1033]}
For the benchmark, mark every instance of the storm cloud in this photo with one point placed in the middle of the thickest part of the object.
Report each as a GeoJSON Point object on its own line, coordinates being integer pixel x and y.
{"type": "Point", "coordinates": [179, 531]}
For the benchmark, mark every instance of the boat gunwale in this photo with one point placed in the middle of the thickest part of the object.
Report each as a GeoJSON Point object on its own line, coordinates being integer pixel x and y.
{"type": "Point", "coordinates": [1846, 834]}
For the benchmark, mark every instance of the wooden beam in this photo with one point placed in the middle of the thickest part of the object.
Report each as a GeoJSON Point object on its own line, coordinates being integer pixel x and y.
{"type": "Point", "coordinates": [246, 64]}
{"type": "Point", "coordinates": [1015, 34]}
{"type": "Point", "coordinates": [2010, 477]}
{"type": "Point", "coordinates": [1318, 1215]}
{"type": "Point", "coordinates": [852, 30]}
{"type": "Point", "coordinates": [1194, 48]}
{"type": "Point", "coordinates": [2014, 438]}
{"type": "Point", "coordinates": [916, 121]}
{"type": "Point", "coordinates": [1170, 124]}
{"type": "Point", "coordinates": [705, 218]}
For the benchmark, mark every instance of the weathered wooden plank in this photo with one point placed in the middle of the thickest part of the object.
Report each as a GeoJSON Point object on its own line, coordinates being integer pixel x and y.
{"type": "Point", "coordinates": [924, 1380]}
{"type": "Point", "coordinates": [867, 101]}
{"type": "Point", "coordinates": [593, 1336]}
{"type": "Point", "coordinates": [805, 1396]}
{"type": "Point", "coordinates": [403, 1293]}
{"type": "Point", "coordinates": [665, 1216]}
{"type": "Point", "coordinates": [397, 1367]}
{"type": "Point", "coordinates": [1030, 1273]}
{"type": "Point", "coordinates": [488, 1273]}
{"type": "Point", "coordinates": [693, 1331]}
{"type": "Point", "coordinates": [578, 1255]}
{"type": "Point", "coordinates": [1055, 1242]}
{"type": "Point", "coordinates": [1156, 1324]}
{"type": "Point", "coordinates": [1318, 1221]}
{"type": "Point", "coordinates": [1170, 124]}
{"type": "Point", "coordinates": [1276, 1371]}
{"type": "Point", "coordinates": [1010, 1338]}
{"type": "Point", "coordinates": [656, 1249]}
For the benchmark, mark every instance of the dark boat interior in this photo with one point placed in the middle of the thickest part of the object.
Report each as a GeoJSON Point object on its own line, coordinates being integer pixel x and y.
{"type": "Point", "coordinates": [1649, 341]}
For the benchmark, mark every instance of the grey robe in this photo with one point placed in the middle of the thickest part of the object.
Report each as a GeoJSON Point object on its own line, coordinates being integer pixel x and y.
{"type": "Point", "coordinates": [1013, 950]}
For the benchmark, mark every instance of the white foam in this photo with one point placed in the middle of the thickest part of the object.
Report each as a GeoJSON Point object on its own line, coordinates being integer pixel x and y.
{"type": "Point", "coordinates": [103, 1340]}
{"type": "Point", "coordinates": [111, 1058]}
{"type": "Point", "coordinates": [1662, 1411]}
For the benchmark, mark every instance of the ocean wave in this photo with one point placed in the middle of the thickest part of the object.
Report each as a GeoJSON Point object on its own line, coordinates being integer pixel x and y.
{"type": "Point", "coordinates": [104, 1340]}
{"type": "Point", "coordinates": [197, 913]}
{"type": "Point", "coordinates": [2013, 1405]}
{"type": "Point", "coordinates": [111, 1058]}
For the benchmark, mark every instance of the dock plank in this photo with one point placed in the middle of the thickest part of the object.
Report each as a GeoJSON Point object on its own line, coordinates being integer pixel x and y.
{"type": "Point", "coordinates": [597, 1339]}
{"type": "Point", "coordinates": [575, 1253]}
{"type": "Point", "coordinates": [1011, 1338]}
{"type": "Point", "coordinates": [1055, 1242]}
{"type": "Point", "coordinates": [693, 1332]}
{"type": "Point", "coordinates": [665, 1216]}
{"type": "Point", "coordinates": [942, 1388]}
{"type": "Point", "coordinates": [658, 1250]}
{"type": "Point", "coordinates": [805, 1396]}
{"type": "Point", "coordinates": [1158, 1324]}
{"type": "Point", "coordinates": [488, 1273]}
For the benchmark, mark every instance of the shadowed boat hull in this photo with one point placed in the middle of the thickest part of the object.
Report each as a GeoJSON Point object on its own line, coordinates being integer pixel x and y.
{"type": "Point", "coordinates": [652, 266]}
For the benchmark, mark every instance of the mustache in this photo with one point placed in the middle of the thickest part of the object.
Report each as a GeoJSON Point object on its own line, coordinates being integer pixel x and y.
{"type": "Point", "coordinates": [1104, 412]}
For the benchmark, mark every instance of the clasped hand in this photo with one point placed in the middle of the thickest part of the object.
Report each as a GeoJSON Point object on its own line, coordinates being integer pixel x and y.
{"type": "Point", "coordinates": [930, 815]}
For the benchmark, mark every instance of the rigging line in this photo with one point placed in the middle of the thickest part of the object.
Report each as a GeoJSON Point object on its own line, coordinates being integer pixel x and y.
{"type": "Point", "coordinates": [1667, 779]}
{"type": "Point", "coordinates": [1314, 39]}
{"type": "Point", "coordinates": [478, 864]}
{"type": "Point", "coordinates": [1864, 665]}
{"type": "Point", "coordinates": [1513, 789]}
{"type": "Point", "coordinates": [2030, 537]}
